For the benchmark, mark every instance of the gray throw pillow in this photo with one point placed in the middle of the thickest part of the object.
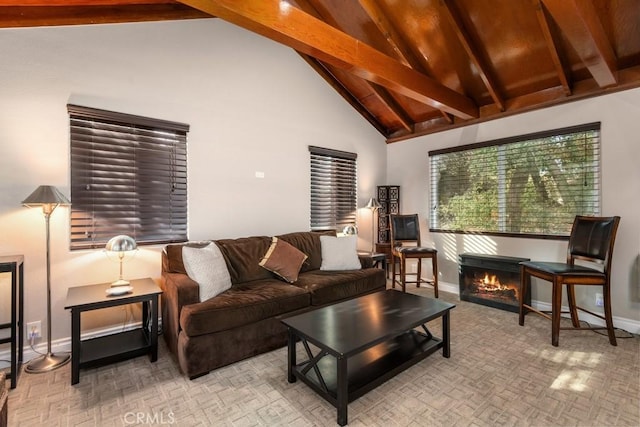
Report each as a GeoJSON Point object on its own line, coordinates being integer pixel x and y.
{"type": "Point", "coordinates": [339, 253]}
{"type": "Point", "coordinates": [207, 267]}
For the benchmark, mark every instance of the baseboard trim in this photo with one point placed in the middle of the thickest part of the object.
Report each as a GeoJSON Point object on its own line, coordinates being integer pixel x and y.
{"type": "Point", "coordinates": [63, 345]}
{"type": "Point", "coordinates": [629, 325]}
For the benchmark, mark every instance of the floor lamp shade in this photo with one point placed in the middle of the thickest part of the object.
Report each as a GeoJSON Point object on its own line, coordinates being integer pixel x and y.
{"type": "Point", "coordinates": [48, 198]}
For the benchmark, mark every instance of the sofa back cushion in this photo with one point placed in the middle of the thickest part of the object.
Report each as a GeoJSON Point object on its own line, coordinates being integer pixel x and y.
{"type": "Point", "coordinates": [172, 256]}
{"type": "Point", "coordinates": [309, 243]}
{"type": "Point", "coordinates": [243, 257]}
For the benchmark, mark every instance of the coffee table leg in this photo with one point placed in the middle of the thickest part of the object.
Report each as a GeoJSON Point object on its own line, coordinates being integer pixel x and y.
{"type": "Point", "coordinates": [446, 336]}
{"type": "Point", "coordinates": [342, 391]}
{"type": "Point", "coordinates": [291, 357]}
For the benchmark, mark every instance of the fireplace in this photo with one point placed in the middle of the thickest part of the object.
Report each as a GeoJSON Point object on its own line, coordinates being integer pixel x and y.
{"type": "Point", "coordinates": [491, 280]}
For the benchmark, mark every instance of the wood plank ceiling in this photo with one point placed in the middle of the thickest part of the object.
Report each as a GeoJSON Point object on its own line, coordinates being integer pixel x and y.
{"type": "Point", "coordinates": [414, 67]}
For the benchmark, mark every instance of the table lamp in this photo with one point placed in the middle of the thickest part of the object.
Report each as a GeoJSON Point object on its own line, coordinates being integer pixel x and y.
{"type": "Point", "coordinates": [121, 245]}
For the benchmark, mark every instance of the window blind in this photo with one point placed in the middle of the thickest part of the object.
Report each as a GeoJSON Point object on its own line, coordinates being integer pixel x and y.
{"type": "Point", "coordinates": [527, 185]}
{"type": "Point", "coordinates": [333, 188]}
{"type": "Point", "coordinates": [128, 176]}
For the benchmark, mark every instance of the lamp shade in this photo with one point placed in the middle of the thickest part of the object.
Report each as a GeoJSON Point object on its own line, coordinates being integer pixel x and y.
{"type": "Point", "coordinates": [350, 230]}
{"type": "Point", "coordinates": [121, 243]}
{"type": "Point", "coordinates": [373, 204]}
{"type": "Point", "coordinates": [45, 195]}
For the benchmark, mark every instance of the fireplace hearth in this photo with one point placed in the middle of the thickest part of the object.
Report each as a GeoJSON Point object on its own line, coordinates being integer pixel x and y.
{"type": "Point", "coordinates": [491, 280]}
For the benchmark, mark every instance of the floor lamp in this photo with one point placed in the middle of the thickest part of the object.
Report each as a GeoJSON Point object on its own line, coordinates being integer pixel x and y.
{"type": "Point", "coordinates": [373, 205]}
{"type": "Point", "coordinates": [48, 198]}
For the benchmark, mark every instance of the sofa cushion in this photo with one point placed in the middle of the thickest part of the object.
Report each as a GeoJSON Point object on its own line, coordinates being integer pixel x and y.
{"type": "Point", "coordinates": [283, 259]}
{"type": "Point", "coordinates": [243, 257]}
{"type": "Point", "coordinates": [207, 267]}
{"type": "Point", "coordinates": [309, 243]}
{"type": "Point", "coordinates": [339, 253]}
{"type": "Point", "coordinates": [331, 286]}
{"type": "Point", "coordinates": [241, 305]}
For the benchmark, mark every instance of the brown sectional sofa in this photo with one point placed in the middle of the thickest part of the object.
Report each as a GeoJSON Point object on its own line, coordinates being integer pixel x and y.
{"type": "Point", "coordinates": [243, 321]}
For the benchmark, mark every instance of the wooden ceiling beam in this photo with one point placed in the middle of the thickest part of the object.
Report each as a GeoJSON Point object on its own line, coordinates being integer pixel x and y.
{"type": "Point", "coordinates": [325, 73]}
{"type": "Point", "coordinates": [581, 25]}
{"type": "Point", "coordinates": [70, 3]}
{"type": "Point", "coordinates": [467, 43]}
{"type": "Point", "coordinates": [394, 38]}
{"type": "Point", "coordinates": [628, 78]}
{"type": "Point", "coordinates": [389, 32]}
{"type": "Point", "coordinates": [286, 24]}
{"type": "Point", "coordinates": [37, 16]}
{"type": "Point", "coordinates": [385, 97]}
{"type": "Point", "coordinates": [317, 10]}
{"type": "Point", "coordinates": [552, 45]}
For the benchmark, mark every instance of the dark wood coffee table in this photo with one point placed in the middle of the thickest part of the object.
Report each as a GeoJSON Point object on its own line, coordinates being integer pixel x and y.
{"type": "Point", "coordinates": [370, 339]}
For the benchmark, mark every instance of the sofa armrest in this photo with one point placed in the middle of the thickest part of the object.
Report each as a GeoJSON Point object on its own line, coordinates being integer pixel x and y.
{"type": "Point", "coordinates": [179, 290]}
{"type": "Point", "coordinates": [366, 261]}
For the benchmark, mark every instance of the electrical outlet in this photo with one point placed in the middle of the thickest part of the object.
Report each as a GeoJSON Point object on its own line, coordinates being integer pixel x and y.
{"type": "Point", "coordinates": [34, 329]}
{"type": "Point", "coordinates": [599, 300]}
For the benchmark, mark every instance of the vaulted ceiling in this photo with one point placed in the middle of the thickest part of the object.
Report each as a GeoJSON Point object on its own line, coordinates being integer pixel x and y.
{"type": "Point", "coordinates": [414, 67]}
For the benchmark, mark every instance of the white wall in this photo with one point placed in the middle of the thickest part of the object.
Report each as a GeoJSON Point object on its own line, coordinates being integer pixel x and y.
{"type": "Point", "coordinates": [407, 165]}
{"type": "Point", "coordinates": [253, 105]}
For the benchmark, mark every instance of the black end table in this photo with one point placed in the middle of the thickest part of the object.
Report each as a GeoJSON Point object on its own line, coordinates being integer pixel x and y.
{"type": "Point", "coordinates": [14, 264]}
{"type": "Point", "coordinates": [114, 347]}
{"type": "Point", "coordinates": [379, 259]}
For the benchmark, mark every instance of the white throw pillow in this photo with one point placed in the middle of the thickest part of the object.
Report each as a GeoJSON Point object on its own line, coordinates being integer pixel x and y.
{"type": "Point", "coordinates": [339, 253]}
{"type": "Point", "coordinates": [207, 267]}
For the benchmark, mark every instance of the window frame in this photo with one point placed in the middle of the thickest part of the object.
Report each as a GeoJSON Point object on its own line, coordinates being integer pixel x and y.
{"type": "Point", "coordinates": [128, 176]}
{"type": "Point", "coordinates": [531, 137]}
{"type": "Point", "coordinates": [335, 207]}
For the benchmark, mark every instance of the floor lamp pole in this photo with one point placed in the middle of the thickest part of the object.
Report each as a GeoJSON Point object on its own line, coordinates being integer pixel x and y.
{"type": "Point", "coordinates": [373, 229]}
{"type": "Point", "coordinates": [47, 362]}
{"type": "Point", "coordinates": [373, 205]}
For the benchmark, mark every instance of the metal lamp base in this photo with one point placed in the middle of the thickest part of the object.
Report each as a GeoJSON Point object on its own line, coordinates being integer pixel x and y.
{"type": "Point", "coordinates": [120, 282]}
{"type": "Point", "coordinates": [47, 362]}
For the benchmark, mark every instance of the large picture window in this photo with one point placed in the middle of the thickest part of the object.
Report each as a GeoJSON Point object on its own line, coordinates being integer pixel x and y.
{"type": "Point", "coordinates": [128, 176]}
{"type": "Point", "coordinates": [333, 189]}
{"type": "Point", "coordinates": [531, 185]}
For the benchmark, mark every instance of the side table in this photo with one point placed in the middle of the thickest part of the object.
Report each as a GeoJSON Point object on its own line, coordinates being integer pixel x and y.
{"type": "Point", "coordinates": [119, 346]}
{"type": "Point", "coordinates": [379, 259]}
{"type": "Point", "coordinates": [15, 265]}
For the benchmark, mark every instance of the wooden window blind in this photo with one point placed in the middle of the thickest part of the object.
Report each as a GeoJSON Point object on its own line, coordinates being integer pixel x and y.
{"type": "Point", "coordinates": [531, 185]}
{"type": "Point", "coordinates": [333, 189]}
{"type": "Point", "coordinates": [128, 176]}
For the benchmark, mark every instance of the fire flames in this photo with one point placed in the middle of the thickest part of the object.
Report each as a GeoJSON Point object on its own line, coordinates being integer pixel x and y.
{"type": "Point", "coordinates": [490, 285]}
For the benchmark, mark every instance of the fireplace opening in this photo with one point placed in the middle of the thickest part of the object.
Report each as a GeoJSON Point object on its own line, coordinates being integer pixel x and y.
{"type": "Point", "coordinates": [491, 280]}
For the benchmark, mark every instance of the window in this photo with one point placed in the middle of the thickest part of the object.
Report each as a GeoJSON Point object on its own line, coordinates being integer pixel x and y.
{"type": "Point", "coordinates": [128, 176]}
{"type": "Point", "coordinates": [333, 189]}
{"type": "Point", "coordinates": [531, 185]}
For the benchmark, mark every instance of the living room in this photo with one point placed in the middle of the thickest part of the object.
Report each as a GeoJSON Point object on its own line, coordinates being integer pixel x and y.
{"type": "Point", "coordinates": [252, 106]}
